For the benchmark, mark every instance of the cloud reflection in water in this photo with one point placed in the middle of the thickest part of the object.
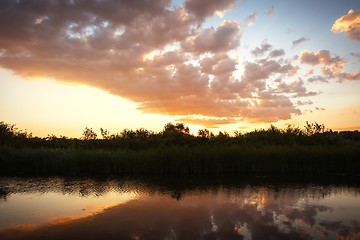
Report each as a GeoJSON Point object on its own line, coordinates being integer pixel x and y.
{"type": "Point", "coordinates": [222, 212]}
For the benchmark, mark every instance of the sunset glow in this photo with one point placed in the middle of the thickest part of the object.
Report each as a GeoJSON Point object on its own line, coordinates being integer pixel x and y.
{"type": "Point", "coordinates": [223, 65]}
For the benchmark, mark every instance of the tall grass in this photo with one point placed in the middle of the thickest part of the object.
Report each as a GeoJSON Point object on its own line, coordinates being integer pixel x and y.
{"type": "Point", "coordinates": [206, 159]}
{"type": "Point", "coordinates": [314, 150]}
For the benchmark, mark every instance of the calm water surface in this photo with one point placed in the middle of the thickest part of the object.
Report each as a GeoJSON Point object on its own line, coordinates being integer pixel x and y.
{"type": "Point", "coordinates": [58, 208]}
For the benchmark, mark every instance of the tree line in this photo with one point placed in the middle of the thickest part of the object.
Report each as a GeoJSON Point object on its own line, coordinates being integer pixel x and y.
{"type": "Point", "coordinates": [179, 134]}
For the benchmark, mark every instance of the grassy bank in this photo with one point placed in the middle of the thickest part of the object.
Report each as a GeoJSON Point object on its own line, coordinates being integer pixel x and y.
{"type": "Point", "coordinates": [205, 159]}
{"type": "Point", "coordinates": [312, 150]}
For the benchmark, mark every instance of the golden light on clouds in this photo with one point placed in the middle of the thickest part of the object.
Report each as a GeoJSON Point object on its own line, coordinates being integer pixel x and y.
{"type": "Point", "coordinates": [349, 23]}
{"type": "Point", "coordinates": [174, 59]}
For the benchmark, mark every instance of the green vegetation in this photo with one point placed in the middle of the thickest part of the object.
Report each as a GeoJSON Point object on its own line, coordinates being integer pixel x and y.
{"type": "Point", "coordinates": [313, 150]}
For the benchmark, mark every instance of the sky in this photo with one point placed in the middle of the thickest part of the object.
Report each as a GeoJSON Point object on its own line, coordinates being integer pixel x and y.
{"type": "Point", "coordinates": [222, 65]}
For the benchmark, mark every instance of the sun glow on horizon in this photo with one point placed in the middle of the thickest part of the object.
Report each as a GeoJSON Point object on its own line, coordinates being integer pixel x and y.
{"type": "Point", "coordinates": [67, 108]}
{"type": "Point", "coordinates": [224, 65]}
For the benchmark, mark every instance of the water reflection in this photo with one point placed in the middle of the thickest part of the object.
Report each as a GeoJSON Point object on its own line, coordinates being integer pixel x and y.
{"type": "Point", "coordinates": [58, 208]}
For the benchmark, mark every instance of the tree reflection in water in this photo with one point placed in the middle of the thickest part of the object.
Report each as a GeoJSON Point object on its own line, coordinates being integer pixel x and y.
{"type": "Point", "coordinates": [189, 209]}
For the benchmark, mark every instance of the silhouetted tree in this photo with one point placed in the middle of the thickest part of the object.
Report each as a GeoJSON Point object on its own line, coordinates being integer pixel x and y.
{"type": "Point", "coordinates": [10, 134]}
{"type": "Point", "coordinates": [314, 128]}
{"type": "Point", "coordinates": [143, 134]}
{"type": "Point", "coordinates": [294, 130]}
{"type": "Point", "coordinates": [238, 134]}
{"type": "Point", "coordinates": [223, 135]}
{"type": "Point", "coordinates": [105, 134]}
{"type": "Point", "coordinates": [177, 134]}
{"type": "Point", "coordinates": [205, 133]}
{"type": "Point", "coordinates": [7, 133]}
{"type": "Point", "coordinates": [178, 127]}
{"type": "Point", "coordinates": [89, 134]}
{"type": "Point", "coordinates": [128, 134]}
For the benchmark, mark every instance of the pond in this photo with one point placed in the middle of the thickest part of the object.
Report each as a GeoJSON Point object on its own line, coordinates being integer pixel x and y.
{"type": "Point", "coordinates": [179, 208]}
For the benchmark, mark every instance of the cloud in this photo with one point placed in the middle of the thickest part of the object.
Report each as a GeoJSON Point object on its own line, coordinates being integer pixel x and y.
{"type": "Point", "coordinates": [269, 11]}
{"type": "Point", "coordinates": [348, 76]}
{"type": "Point", "coordinates": [310, 72]}
{"type": "Point", "coordinates": [318, 79]}
{"type": "Point", "coordinates": [322, 57]}
{"type": "Point", "coordinates": [195, 105]}
{"type": "Point", "coordinates": [207, 122]}
{"type": "Point", "coordinates": [304, 103]}
{"type": "Point", "coordinates": [332, 65]}
{"type": "Point", "coordinates": [218, 64]}
{"type": "Point", "coordinates": [272, 108]}
{"type": "Point", "coordinates": [356, 55]}
{"type": "Point", "coordinates": [207, 8]}
{"type": "Point", "coordinates": [148, 52]}
{"type": "Point", "coordinates": [299, 41]}
{"type": "Point", "coordinates": [277, 53]}
{"type": "Point", "coordinates": [224, 38]}
{"type": "Point", "coordinates": [296, 88]}
{"type": "Point", "coordinates": [266, 47]}
{"type": "Point", "coordinates": [250, 20]}
{"type": "Point", "coordinates": [263, 69]}
{"type": "Point", "coordinates": [349, 24]}
{"type": "Point", "coordinates": [224, 97]}
{"type": "Point", "coordinates": [258, 51]}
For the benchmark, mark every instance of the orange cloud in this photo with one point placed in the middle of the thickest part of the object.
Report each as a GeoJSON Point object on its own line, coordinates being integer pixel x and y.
{"type": "Point", "coordinates": [207, 122]}
{"type": "Point", "coordinates": [350, 24]}
{"type": "Point", "coordinates": [332, 66]}
{"type": "Point", "coordinates": [149, 52]}
{"type": "Point", "coordinates": [322, 56]}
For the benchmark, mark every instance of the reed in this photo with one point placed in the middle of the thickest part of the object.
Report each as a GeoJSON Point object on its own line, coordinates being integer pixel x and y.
{"type": "Point", "coordinates": [201, 159]}
{"type": "Point", "coordinates": [314, 150]}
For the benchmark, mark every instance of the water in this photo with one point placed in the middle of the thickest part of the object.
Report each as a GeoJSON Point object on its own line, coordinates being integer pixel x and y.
{"type": "Point", "coordinates": [58, 208]}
